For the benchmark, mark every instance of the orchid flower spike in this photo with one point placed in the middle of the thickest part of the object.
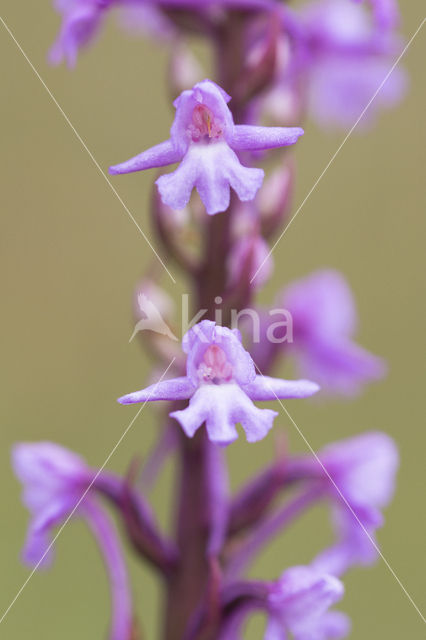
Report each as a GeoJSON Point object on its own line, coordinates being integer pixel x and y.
{"type": "Point", "coordinates": [221, 385]}
{"type": "Point", "coordinates": [205, 141]}
{"type": "Point", "coordinates": [55, 488]}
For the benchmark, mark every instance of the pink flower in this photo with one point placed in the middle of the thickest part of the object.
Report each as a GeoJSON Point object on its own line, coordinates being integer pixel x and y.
{"type": "Point", "coordinates": [324, 323]}
{"type": "Point", "coordinates": [205, 141]}
{"type": "Point", "coordinates": [363, 471]}
{"type": "Point", "coordinates": [221, 385]}
{"type": "Point", "coordinates": [55, 488]}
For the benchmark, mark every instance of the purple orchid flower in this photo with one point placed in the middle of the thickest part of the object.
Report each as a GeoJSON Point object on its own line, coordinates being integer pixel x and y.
{"type": "Point", "coordinates": [386, 12]}
{"type": "Point", "coordinates": [55, 483]}
{"type": "Point", "coordinates": [348, 58]}
{"type": "Point", "coordinates": [81, 21]}
{"type": "Point", "coordinates": [297, 606]}
{"type": "Point", "coordinates": [340, 58]}
{"type": "Point", "coordinates": [299, 603]}
{"type": "Point", "coordinates": [324, 321]}
{"type": "Point", "coordinates": [363, 469]}
{"type": "Point", "coordinates": [205, 140]}
{"type": "Point", "coordinates": [221, 385]}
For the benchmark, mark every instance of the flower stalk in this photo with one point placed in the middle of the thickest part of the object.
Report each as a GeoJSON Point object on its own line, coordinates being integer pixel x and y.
{"type": "Point", "coordinates": [271, 65]}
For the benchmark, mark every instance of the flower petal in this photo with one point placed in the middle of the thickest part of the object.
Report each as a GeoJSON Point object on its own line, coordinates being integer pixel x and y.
{"type": "Point", "coordinates": [158, 156]}
{"type": "Point", "coordinates": [212, 169]}
{"type": "Point", "coordinates": [274, 629]}
{"type": "Point", "coordinates": [267, 388]}
{"type": "Point", "coordinates": [37, 551]}
{"type": "Point", "coordinates": [303, 595]}
{"type": "Point", "coordinates": [364, 468]}
{"type": "Point", "coordinates": [386, 13]}
{"type": "Point", "coordinates": [252, 138]}
{"type": "Point", "coordinates": [206, 93]}
{"type": "Point", "coordinates": [175, 188]}
{"type": "Point", "coordinates": [341, 366]}
{"type": "Point", "coordinates": [333, 625]}
{"type": "Point", "coordinates": [221, 407]}
{"type": "Point", "coordinates": [80, 24]}
{"type": "Point", "coordinates": [322, 304]}
{"type": "Point", "coordinates": [206, 333]}
{"type": "Point", "coordinates": [340, 88]}
{"type": "Point", "coordinates": [45, 470]}
{"type": "Point", "coordinates": [208, 405]}
{"type": "Point", "coordinates": [356, 543]}
{"type": "Point", "coordinates": [324, 317]}
{"type": "Point", "coordinates": [174, 389]}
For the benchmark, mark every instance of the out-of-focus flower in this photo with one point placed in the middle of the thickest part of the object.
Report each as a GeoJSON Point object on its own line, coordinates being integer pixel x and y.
{"type": "Point", "coordinates": [324, 323]}
{"type": "Point", "coordinates": [221, 384]}
{"type": "Point", "coordinates": [55, 488]}
{"type": "Point", "coordinates": [81, 21]}
{"type": "Point", "coordinates": [205, 140]}
{"type": "Point", "coordinates": [299, 605]}
{"type": "Point", "coordinates": [296, 605]}
{"type": "Point", "coordinates": [386, 12]}
{"type": "Point", "coordinates": [54, 480]}
{"type": "Point", "coordinates": [338, 54]}
{"type": "Point", "coordinates": [349, 57]}
{"type": "Point", "coordinates": [363, 471]}
{"type": "Point", "coordinates": [145, 18]}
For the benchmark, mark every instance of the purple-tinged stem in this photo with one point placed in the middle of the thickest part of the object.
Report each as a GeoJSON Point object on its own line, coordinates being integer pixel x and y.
{"type": "Point", "coordinates": [188, 583]}
{"type": "Point", "coordinates": [138, 521]}
{"type": "Point", "coordinates": [269, 528]}
{"type": "Point", "coordinates": [212, 276]}
{"type": "Point", "coordinates": [121, 627]}
{"type": "Point", "coordinates": [218, 495]}
{"type": "Point", "coordinates": [254, 500]}
{"type": "Point", "coordinates": [167, 443]}
{"type": "Point", "coordinates": [194, 585]}
{"type": "Point", "coordinates": [236, 601]}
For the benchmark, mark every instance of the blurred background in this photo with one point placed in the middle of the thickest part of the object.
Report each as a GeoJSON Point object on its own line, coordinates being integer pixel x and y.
{"type": "Point", "coordinates": [70, 258]}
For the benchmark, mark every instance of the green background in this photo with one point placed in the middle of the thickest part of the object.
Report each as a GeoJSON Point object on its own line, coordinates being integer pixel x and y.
{"type": "Point", "coordinates": [70, 258]}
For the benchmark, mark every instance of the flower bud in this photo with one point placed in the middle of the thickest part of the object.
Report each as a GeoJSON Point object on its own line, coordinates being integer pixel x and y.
{"type": "Point", "coordinates": [250, 259]}
{"type": "Point", "coordinates": [275, 199]}
{"type": "Point", "coordinates": [184, 69]}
